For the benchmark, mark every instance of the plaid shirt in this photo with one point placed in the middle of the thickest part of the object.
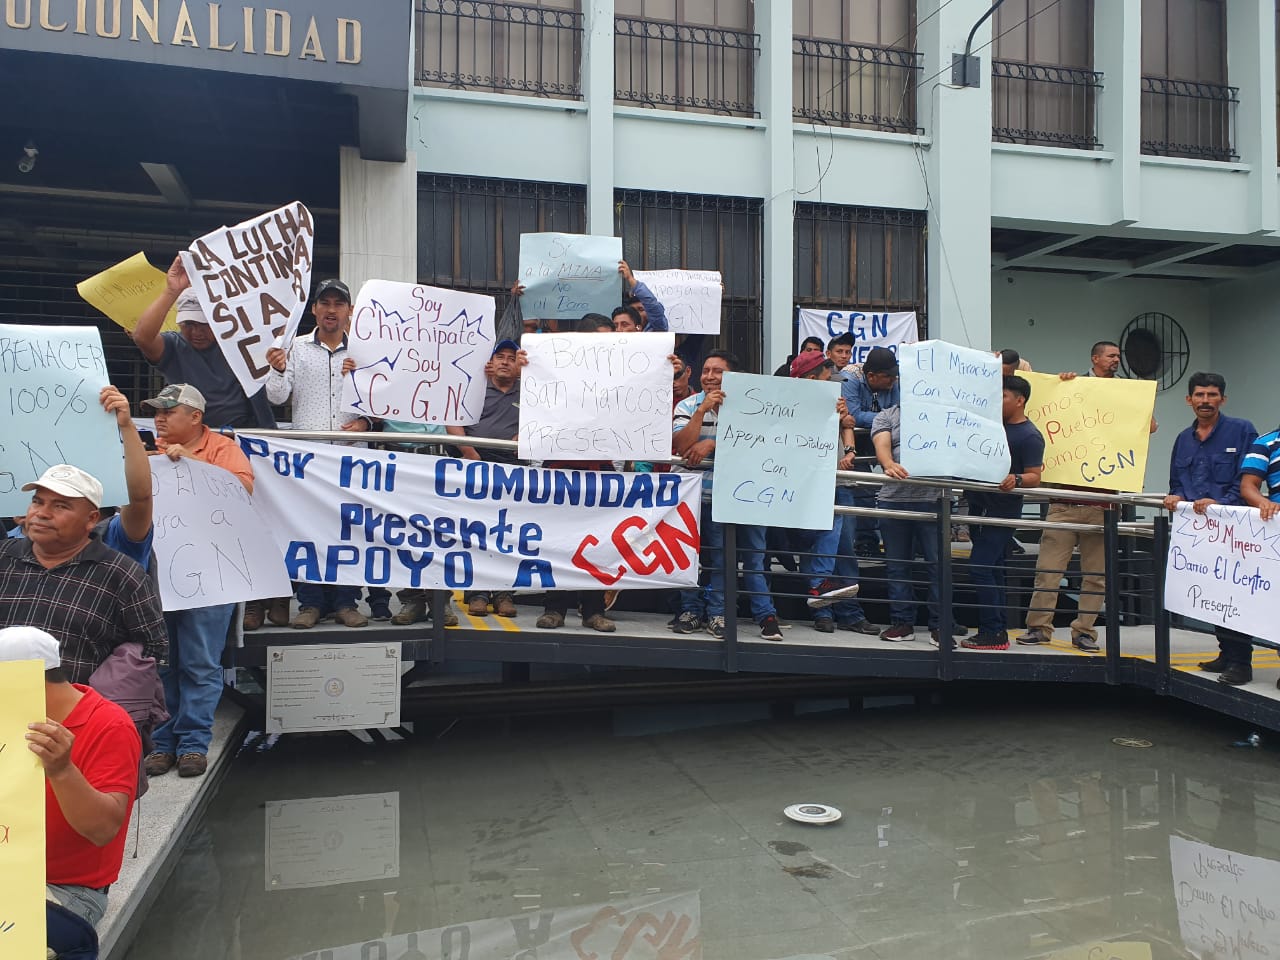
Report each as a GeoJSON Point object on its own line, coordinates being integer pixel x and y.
{"type": "Point", "coordinates": [92, 603]}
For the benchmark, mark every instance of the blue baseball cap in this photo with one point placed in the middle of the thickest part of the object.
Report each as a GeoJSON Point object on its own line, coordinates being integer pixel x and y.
{"type": "Point", "coordinates": [505, 345]}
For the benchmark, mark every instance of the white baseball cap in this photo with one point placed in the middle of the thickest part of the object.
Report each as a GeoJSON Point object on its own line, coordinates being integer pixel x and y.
{"type": "Point", "coordinates": [69, 481]}
{"type": "Point", "coordinates": [29, 643]}
{"type": "Point", "coordinates": [188, 308]}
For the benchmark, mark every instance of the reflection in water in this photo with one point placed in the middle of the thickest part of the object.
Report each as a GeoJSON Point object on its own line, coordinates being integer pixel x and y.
{"type": "Point", "coordinates": [1001, 833]}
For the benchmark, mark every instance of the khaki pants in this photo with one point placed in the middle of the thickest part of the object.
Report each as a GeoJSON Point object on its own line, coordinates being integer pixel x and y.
{"type": "Point", "coordinates": [1056, 547]}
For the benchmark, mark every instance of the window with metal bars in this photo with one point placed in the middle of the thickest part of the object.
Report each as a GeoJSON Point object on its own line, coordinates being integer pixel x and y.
{"type": "Point", "coordinates": [667, 231]}
{"type": "Point", "coordinates": [861, 258]}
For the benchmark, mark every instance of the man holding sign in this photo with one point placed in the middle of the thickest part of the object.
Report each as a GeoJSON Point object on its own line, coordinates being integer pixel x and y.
{"type": "Point", "coordinates": [1205, 468]}
{"type": "Point", "coordinates": [89, 750]}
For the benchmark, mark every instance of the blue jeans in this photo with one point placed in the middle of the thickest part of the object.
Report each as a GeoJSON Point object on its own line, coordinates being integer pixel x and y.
{"type": "Point", "coordinates": [193, 679]}
{"type": "Point", "coordinates": [847, 611]}
{"type": "Point", "coordinates": [902, 540]}
{"type": "Point", "coordinates": [987, 572]}
{"type": "Point", "coordinates": [327, 597]}
{"type": "Point", "coordinates": [708, 601]}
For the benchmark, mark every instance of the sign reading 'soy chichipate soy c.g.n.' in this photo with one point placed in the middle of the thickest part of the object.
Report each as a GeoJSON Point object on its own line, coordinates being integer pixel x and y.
{"type": "Point", "coordinates": [253, 281]}
{"type": "Point", "coordinates": [379, 518]}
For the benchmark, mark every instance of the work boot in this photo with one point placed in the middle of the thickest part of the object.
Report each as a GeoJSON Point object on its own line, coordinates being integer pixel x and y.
{"type": "Point", "coordinates": [1216, 665]}
{"type": "Point", "coordinates": [159, 763]}
{"type": "Point", "coordinates": [252, 615]}
{"type": "Point", "coordinates": [598, 621]}
{"type": "Point", "coordinates": [450, 618]}
{"type": "Point", "coordinates": [192, 764]}
{"type": "Point", "coordinates": [1236, 674]}
{"type": "Point", "coordinates": [350, 617]}
{"type": "Point", "coordinates": [550, 620]}
{"type": "Point", "coordinates": [505, 607]}
{"type": "Point", "coordinates": [307, 618]}
{"type": "Point", "coordinates": [478, 606]}
{"type": "Point", "coordinates": [278, 612]}
{"type": "Point", "coordinates": [410, 612]}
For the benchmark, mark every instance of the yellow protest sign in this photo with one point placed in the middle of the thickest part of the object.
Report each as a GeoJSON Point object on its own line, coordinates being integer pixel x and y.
{"type": "Point", "coordinates": [1102, 950]}
{"type": "Point", "coordinates": [122, 292]}
{"type": "Point", "coordinates": [1096, 431]}
{"type": "Point", "coordinates": [22, 934]}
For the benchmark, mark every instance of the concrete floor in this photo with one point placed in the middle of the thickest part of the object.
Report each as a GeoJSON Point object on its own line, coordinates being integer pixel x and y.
{"type": "Point", "coordinates": [968, 832]}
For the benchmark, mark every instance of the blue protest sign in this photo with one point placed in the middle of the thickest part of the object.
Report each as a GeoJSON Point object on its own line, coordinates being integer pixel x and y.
{"type": "Point", "coordinates": [52, 377]}
{"type": "Point", "coordinates": [952, 424]}
{"type": "Point", "coordinates": [566, 275]}
{"type": "Point", "coordinates": [777, 445]}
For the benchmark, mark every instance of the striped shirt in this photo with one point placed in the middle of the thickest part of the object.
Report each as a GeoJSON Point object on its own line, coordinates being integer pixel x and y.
{"type": "Point", "coordinates": [94, 602]}
{"type": "Point", "coordinates": [683, 413]}
{"type": "Point", "coordinates": [1263, 460]}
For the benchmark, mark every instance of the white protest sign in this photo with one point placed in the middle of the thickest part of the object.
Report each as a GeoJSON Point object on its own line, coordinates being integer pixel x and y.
{"type": "Point", "coordinates": [567, 275]}
{"type": "Point", "coordinates": [691, 298]}
{"type": "Point", "coordinates": [952, 425]}
{"type": "Point", "coordinates": [777, 445]}
{"type": "Point", "coordinates": [1224, 568]}
{"type": "Point", "coordinates": [253, 281]}
{"type": "Point", "coordinates": [342, 686]}
{"type": "Point", "coordinates": [379, 518]}
{"type": "Point", "coordinates": [321, 841]}
{"type": "Point", "coordinates": [51, 415]}
{"type": "Point", "coordinates": [208, 538]}
{"type": "Point", "coordinates": [869, 329]}
{"type": "Point", "coordinates": [1228, 903]}
{"type": "Point", "coordinates": [596, 396]}
{"type": "Point", "coordinates": [419, 353]}
{"type": "Point", "coordinates": [656, 926]}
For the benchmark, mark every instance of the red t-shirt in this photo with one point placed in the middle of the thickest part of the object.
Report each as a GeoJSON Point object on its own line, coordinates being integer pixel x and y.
{"type": "Point", "coordinates": [107, 752]}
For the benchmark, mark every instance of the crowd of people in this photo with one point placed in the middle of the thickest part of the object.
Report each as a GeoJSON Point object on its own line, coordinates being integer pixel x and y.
{"type": "Point", "coordinates": [77, 587]}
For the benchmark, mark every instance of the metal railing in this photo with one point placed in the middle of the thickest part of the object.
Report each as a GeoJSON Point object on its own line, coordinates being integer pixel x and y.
{"type": "Point", "coordinates": [855, 85]}
{"type": "Point", "coordinates": [503, 47]}
{"type": "Point", "coordinates": [1044, 105]}
{"type": "Point", "coordinates": [676, 66]}
{"type": "Point", "coordinates": [1188, 118]}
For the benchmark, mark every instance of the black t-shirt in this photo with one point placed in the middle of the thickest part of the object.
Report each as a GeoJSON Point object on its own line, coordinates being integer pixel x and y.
{"type": "Point", "coordinates": [1026, 450]}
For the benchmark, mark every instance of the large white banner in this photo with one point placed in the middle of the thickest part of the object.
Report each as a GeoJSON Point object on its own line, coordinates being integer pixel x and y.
{"type": "Point", "coordinates": [691, 298]}
{"type": "Point", "coordinates": [1224, 568]}
{"type": "Point", "coordinates": [253, 281]}
{"type": "Point", "coordinates": [419, 352]}
{"type": "Point", "coordinates": [658, 926]}
{"type": "Point", "coordinates": [208, 538]}
{"type": "Point", "coordinates": [868, 329]}
{"type": "Point", "coordinates": [952, 425]}
{"type": "Point", "coordinates": [596, 396]}
{"type": "Point", "coordinates": [384, 519]}
{"type": "Point", "coordinates": [1228, 903]}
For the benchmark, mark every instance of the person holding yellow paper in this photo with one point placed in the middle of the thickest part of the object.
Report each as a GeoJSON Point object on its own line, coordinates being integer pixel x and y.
{"type": "Point", "coordinates": [90, 753]}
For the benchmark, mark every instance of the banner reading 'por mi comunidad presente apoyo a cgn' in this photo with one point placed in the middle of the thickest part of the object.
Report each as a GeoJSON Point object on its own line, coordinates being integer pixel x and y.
{"type": "Point", "coordinates": [379, 518]}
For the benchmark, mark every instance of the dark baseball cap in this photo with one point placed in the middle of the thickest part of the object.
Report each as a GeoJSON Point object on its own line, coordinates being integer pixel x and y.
{"type": "Point", "coordinates": [880, 360]}
{"type": "Point", "coordinates": [505, 345]}
{"type": "Point", "coordinates": [333, 286]}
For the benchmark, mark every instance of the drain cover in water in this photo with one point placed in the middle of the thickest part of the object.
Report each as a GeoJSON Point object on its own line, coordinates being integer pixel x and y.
{"type": "Point", "coordinates": [1130, 742]}
{"type": "Point", "coordinates": [812, 813]}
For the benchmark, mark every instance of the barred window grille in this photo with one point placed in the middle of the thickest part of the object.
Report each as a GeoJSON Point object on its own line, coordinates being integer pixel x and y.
{"type": "Point", "coordinates": [680, 66]}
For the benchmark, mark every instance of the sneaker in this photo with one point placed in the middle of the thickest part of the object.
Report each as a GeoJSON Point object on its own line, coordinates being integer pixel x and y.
{"type": "Point", "coordinates": [253, 614]}
{"type": "Point", "coordinates": [959, 629]}
{"type": "Point", "coordinates": [278, 611]}
{"type": "Point", "coordinates": [478, 606]}
{"type": "Point", "coordinates": [350, 617]}
{"type": "Point", "coordinates": [1035, 636]}
{"type": "Point", "coordinates": [1082, 641]}
{"type": "Point", "coordinates": [505, 607]}
{"type": "Point", "coordinates": [828, 592]}
{"type": "Point", "coordinates": [1236, 674]}
{"type": "Point", "coordinates": [598, 621]}
{"type": "Point", "coordinates": [192, 764]}
{"type": "Point", "coordinates": [770, 630]}
{"type": "Point", "coordinates": [307, 618]}
{"type": "Point", "coordinates": [410, 612]}
{"type": "Point", "coordinates": [986, 641]}
{"type": "Point", "coordinates": [865, 627]}
{"type": "Point", "coordinates": [159, 763]}
{"type": "Point", "coordinates": [687, 622]}
{"type": "Point", "coordinates": [379, 609]}
{"type": "Point", "coordinates": [898, 631]}
{"type": "Point", "coordinates": [550, 620]}
{"type": "Point", "coordinates": [715, 627]}
{"type": "Point", "coordinates": [824, 625]}
{"type": "Point", "coordinates": [1216, 665]}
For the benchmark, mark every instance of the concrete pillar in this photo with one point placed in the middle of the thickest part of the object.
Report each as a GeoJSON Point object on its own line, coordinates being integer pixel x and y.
{"type": "Point", "coordinates": [597, 91]}
{"type": "Point", "coordinates": [1117, 55]}
{"type": "Point", "coordinates": [773, 92]}
{"type": "Point", "coordinates": [1251, 66]}
{"type": "Point", "coordinates": [378, 219]}
{"type": "Point", "coordinates": [958, 173]}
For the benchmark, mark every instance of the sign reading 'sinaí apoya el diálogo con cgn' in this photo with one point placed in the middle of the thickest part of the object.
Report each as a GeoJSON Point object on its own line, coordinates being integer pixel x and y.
{"type": "Point", "coordinates": [326, 40]}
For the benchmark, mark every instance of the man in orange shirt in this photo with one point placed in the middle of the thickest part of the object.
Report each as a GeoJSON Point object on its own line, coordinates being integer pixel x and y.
{"type": "Point", "coordinates": [193, 679]}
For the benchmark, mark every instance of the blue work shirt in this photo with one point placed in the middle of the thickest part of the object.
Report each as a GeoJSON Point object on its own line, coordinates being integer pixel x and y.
{"type": "Point", "coordinates": [863, 402]}
{"type": "Point", "coordinates": [655, 313]}
{"type": "Point", "coordinates": [1211, 467]}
